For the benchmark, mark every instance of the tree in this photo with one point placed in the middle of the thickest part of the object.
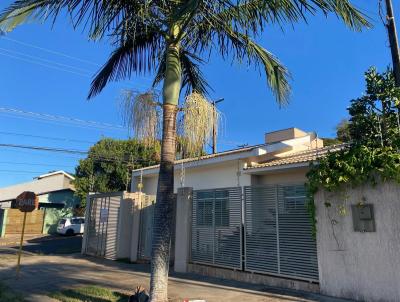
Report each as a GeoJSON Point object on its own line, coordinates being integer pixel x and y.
{"type": "Point", "coordinates": [374, 118]}
{"type": "Point", "coordinates": [172, 38]}
{"type": "Point", "coordinates": [108, 166]}
{"type": "Point", "coordinates": [342, 134]}
{"type": "Point", "coordinates": [343, 131]}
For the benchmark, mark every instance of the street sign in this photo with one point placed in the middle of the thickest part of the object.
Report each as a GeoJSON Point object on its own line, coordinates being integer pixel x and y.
{"type": "Point", "coordinates": [27, 202]}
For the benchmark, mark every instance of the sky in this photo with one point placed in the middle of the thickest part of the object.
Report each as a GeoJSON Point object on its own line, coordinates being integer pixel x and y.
{"type": "Point", "coordinates": [48, 70]}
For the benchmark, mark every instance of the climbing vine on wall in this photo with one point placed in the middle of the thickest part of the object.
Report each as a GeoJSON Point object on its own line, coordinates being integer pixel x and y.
{"type": "Point", "coordinates": [373, 154]}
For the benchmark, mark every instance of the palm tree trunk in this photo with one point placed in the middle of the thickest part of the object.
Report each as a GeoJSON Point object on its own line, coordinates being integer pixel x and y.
{"type": "Point", "coordinates": [165, 189]}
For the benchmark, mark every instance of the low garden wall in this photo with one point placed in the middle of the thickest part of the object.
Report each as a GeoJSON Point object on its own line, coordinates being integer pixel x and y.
{"type": "Point", "coordinates": [362, 265]}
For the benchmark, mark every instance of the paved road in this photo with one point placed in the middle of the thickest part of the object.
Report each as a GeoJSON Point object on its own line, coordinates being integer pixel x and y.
{"type": "Point", "coordinates": [43, 274]}
{"type": "Point", "coordinates": [49, 245]}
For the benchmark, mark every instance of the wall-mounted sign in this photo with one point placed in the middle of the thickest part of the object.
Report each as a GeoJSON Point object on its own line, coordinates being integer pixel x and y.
{"type": "Point", "coordinates": [27, 202]}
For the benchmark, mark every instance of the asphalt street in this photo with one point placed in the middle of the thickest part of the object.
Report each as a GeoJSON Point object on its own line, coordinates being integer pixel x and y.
{"type": "Point", "coordinates": [53, 246]}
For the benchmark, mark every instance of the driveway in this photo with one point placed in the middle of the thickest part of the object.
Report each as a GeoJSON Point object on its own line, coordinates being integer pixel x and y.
{"type": "Point", "coordinates": [43, 274]}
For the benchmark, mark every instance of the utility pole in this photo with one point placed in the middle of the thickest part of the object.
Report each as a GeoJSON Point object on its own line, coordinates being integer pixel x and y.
{"type": "Point", "coordinates": [214, 145]}
{"type": "Point", "coordinates": [394, 45]}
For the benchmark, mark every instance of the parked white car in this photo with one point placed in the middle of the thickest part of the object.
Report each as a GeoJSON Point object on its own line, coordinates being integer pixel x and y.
{"type": "Point", "coordinates": [71, 226]}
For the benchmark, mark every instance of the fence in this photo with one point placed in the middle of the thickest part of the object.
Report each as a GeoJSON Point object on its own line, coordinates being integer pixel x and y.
{"type": "Point", "coordinates": [101, 225]}
{"type": "Point", "coordinates": [217, 227]}
{"type": "Point", "coordinates": [273, 235]}
{"type": "Point", "coordinates": [14, 218]}
{"type": "Point", "coordinates": [278, 232]}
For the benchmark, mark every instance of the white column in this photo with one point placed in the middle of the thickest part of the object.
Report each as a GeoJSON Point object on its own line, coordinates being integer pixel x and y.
{"type": "Point", "coordinates": [183, 227]}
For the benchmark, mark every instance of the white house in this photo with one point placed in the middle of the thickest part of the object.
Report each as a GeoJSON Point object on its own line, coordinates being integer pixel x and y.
{"type": "Point", "coordinates": [284, 157]}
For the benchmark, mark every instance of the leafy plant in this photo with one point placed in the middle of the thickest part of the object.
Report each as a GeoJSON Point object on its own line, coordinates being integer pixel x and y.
{"type": "Point", "coordinates": [109, 163]}
{"type": "Point", "coordinates": [373, 154]}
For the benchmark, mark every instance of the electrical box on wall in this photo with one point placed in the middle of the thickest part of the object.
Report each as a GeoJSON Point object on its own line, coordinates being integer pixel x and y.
{"type": "Point", "coordinates": [363, 218]}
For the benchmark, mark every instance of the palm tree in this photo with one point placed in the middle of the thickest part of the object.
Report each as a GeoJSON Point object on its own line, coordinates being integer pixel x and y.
{"type": "Point", "coordinates": [171, 39]}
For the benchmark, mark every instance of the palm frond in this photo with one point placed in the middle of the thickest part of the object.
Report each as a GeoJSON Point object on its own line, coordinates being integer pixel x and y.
{"type": "Point", "coordinates": [242, 48]}
{"type": "Point", "coordinates": [137, 55]}
{"type": "Point", "coordinates": [252, 15]}
{"type": "Point", "coordinates": [23, 11]}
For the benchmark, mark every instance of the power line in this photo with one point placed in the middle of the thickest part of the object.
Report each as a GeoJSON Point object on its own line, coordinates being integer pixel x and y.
{"type": "Point", "coordinates": [34, 164]}
{"type": "Point", "coordinates": [51, 51]}
{"type": "Point", "coordinates": [63, 119]}
{"type": "Point", "coordinates": [54, 52]}
{"type": "Point", "coordinates": [47, 137]}
{"type": "Point", "coordinates": [22, 171]}
{"type": "Point", "coordinates": [72, 151]}
{"type": "Point", "coordinates": [43, 64]}
{"type": "Point", "coordinates": [89, 72]}
{"type": "Point", "coordinates": [49, 149]}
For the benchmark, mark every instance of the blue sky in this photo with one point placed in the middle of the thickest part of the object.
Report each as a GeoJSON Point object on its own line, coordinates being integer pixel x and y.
{"type": "Point", "coordinates": [327, 62]}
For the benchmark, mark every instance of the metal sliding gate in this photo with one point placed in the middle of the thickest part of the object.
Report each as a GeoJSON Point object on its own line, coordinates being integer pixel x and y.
{"type": "Point", "coordinates": [278, 232]}
{"type": "Point", "coordinates": [277, 236]}
{"type": "Point", "coordinates": [217, 227]}
{"type": "Point", "coordinates": [101, 225]}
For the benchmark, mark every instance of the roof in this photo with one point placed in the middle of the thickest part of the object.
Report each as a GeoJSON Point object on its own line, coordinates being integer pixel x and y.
{"type": "Point", "coordinates": [208, 156]}
{"type": "Point", "coordinates": [55, 173]}
{"type": "Point", "coordinates": [299, 157]}
{"type": "Point", "coordinates": [43, 184]}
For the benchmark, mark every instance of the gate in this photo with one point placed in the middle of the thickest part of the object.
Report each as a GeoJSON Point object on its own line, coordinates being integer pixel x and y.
{"type": "Point", "coordinates": [278, 232]}
{"type": "Point", "coordinates": [217, 227]}
{"type": "Point", "coordinates": [101, 225]}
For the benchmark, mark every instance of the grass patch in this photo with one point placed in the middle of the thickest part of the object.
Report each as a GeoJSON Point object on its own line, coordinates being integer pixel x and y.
{"type": "Point", "coordinates": [89, 294]}
{"type": "Point", "coordinates": [7, 295]}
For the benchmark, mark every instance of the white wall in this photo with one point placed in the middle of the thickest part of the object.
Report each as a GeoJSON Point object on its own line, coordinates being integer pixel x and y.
{"type": "Point", "coordinates": [205, 177]}
{"type": "Point", "coordinates": [355, 265]}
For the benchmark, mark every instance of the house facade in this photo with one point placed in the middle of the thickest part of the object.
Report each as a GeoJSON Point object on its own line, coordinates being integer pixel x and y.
{"type": "Point", "coordinates": [243, 214]}
{"type": "Point", "coordinates": [248, 211]}
{"type": "Point", "coordinates": [54, 190]}
{"type": "Point", "coordinates": [283, 158]}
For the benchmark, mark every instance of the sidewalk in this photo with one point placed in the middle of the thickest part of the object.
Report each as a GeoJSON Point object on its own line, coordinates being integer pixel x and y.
{"type": "Point", "coordinates": [43, 274]}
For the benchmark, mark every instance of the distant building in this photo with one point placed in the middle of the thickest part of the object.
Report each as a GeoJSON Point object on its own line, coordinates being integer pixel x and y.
{"type": "Point", "coordinates": [55, 190]}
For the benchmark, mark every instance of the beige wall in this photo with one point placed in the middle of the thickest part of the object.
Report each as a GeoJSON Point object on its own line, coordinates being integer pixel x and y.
{"type": "Point", "coordinates": [361, 266]}
{"type": "Point", "coordinates": [290, 176]}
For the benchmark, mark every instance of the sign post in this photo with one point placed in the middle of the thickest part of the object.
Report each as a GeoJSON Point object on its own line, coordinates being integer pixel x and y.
{"type": "Point", "coordinates": [25, 202]}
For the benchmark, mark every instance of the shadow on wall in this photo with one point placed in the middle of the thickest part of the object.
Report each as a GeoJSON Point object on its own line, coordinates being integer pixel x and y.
{"type": "Point", "coordinates": [66, 197]}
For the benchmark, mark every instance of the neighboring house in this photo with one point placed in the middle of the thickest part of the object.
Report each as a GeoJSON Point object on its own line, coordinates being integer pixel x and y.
{"type": "Point", "coordinates": [55, 190]}
{"type": "Point", "coordinates": [284, 158]}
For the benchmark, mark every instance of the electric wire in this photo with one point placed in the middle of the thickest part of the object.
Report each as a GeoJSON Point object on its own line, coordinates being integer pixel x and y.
{"type": "Point", "coordinates": [43, 64]}
{"type": "Point", "coordinates": [62, 119]}
{"type": "Point", "coordinates": [88, 72]}
{"type": "Point", "coordinates": [50, 51]}
{"type": "Point", "coordinates": [46, 137]}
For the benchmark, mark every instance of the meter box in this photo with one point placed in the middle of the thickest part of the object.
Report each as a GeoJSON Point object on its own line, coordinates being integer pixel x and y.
{"type": "Point", "coordinates": [363, 218]}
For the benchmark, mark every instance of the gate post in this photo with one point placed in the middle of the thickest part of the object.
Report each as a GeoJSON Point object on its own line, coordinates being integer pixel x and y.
{"type": "Point", "coordinates": [183, 228]}
{"type": "Point", "coordinates": [137, 206]}
{"type": "Point", "coordinates": [86, 225]}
